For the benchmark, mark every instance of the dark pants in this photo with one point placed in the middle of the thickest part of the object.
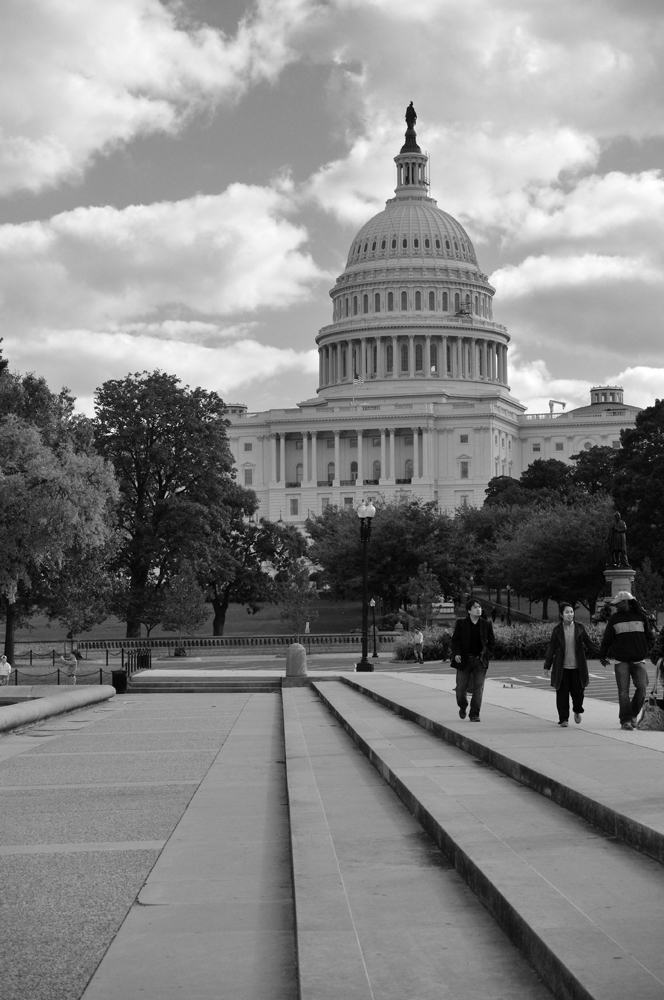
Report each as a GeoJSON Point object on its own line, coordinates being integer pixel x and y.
{"type": "Point", "coordinates": [570, 684]}
{"type": "Point", "coordinates": [475, 672]}
{"type": "Point", "coordinates": [627, 709]}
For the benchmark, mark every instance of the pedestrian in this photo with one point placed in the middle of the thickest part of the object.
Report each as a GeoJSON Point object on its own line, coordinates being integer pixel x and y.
{"type": "Point", "coordinates": [418, 645]}
{"type": "Point", "coordinates": [446, 642]}
{"type": "Point", "coordinates": [628, 638]}
{"type": "Point", "coordinates": [567, 655]}
{"type": "Point", "coordinates": [5, 670]}
{"type": "Point", "coordinates": [473, 643]}
{"type": "Point", "coordinates": [493, 614]}
{"type": "Point", "coordinates": [70, 661]}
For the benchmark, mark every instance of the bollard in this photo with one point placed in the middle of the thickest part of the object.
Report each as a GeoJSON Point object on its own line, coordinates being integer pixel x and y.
{"type": "Point", "coordinates": [296, 666]}
{"type": "Point", "coordinates": [31, 657]}
{"type": "Point", "coordinates": [58, 674]}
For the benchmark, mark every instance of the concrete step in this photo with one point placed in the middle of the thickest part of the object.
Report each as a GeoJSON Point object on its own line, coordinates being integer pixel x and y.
{"type": "Point", "coordinates": [582, 908]}
{"type": "Point", "coordinates": [609, 785]}
{"type": "Point", "coordinates": [144, 684]}
{"type": "Point", "coordinates": [380, 913]}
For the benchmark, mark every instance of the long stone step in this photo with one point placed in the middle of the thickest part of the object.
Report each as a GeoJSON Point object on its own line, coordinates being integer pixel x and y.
{"type": "Point", "coordinates": [583, 909]}
{"type": "Point", "coordinates": [380, 913]}
{"type": "Point", "coordinates": [145, 684]}
{"type": "Point", "coordinates": [617, 797]}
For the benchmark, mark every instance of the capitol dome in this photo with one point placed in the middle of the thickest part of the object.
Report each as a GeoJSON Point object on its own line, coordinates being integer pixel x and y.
{"type": "Point", "coordinates": [408, 229]}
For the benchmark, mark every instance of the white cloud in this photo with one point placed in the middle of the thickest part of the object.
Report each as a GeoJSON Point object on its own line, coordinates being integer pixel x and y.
{"type": "Point", "coordinates": [81, 75]}
{"type": "Point", "coordinates": [642, 384]}
{"type": "Point", "coordinates": [532, 384]}
{"type": "Point", "coordinates": [536, 274]}
{"type": "Point", "coordinates": [215, 255]}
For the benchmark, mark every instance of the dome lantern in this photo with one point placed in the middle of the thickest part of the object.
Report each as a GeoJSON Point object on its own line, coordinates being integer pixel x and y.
{"type": "Point", "coordinates": [412, 175]}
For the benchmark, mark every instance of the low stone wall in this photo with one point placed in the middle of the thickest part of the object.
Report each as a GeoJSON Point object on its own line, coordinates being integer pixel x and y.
{"type": "Point", "coordinates": [39, 704]}
{"type": "Point", "coordinates": [329, 643]}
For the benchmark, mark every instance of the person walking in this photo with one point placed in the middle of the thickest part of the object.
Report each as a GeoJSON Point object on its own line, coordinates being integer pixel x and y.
{"type": "Point", "coordinates": [71, 663]}
{"type": "Point", "coordinates": [628, 638]}
{"type": "Point", "coordinates": [473, 644]}
{"type": "Point", "coordinates": [5, 670]}
{"type": "Point", "coordinates": [567, 655]}
{"type": "Point", "coordinates": [418, 645]}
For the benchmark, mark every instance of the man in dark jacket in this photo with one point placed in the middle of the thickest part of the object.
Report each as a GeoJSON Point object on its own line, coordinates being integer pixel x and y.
{"type": "Point", "coordinates": [473, 644]}
{"type": "Point", "coordinates": [629, 639]}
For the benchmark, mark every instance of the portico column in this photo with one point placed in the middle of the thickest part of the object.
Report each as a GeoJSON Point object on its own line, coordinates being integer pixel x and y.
{"type": "Point", "coordinates": [505, 377]}
{"type": "Point", "coordinates": [282, 458]}
{"type": "Point", "coordinates": [337, 476]}
{"type": "Point", "coordinates": [392, 451]}
{"type": "Point", "coordinates": [383, 466]}
{"type": "Point", "coordinates": [416, 452]}
{"type": "Point", "coordinates": [411, 354]}
{"type": "Point", "coordinates": [314, 457]}
{"type": "Point", "coordinates": [360, 464]}
{"type": "Point", "coordinates": [305, 457]}
{"type": "Point", "coordinates": [442, 361]}
{"type": "Point", "coordinates": [487, 369]}
{"type": "Point", "coordinates": [427, 356]}
{"type": "Point", "coordinates": [395, 357]}
{"type": "Point", "coordinates": [425, 453]}
{"type": "Point", "coordinates": [273, 458]}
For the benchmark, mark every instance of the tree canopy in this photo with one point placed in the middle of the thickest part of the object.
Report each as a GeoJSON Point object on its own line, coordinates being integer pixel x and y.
{"type": "Point", "coordinates": [638, 494]}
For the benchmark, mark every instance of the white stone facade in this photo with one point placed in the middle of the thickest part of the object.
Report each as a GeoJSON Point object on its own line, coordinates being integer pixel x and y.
{"type": "Point", "coordinates": [413, 321]}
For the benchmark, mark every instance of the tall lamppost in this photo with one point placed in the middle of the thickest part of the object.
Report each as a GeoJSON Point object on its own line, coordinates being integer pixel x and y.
{"type": "Point", "coordinates": [372, 605]}
{"type": "Point", "coordinates": [509, 605]}
{"type": "Point", "coordinates": [365, 512]}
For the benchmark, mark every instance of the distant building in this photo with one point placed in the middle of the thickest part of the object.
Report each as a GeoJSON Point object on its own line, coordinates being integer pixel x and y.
{"type": "Point", "coordinates": [413, 393]}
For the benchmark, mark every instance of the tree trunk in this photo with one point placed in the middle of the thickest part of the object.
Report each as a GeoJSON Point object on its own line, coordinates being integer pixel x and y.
{"type": "Point", "coordinates": [10, 627]}
{"type": "Point", "coordinates": [545, 609]}
{"type": "Point", "coordinates": [220, 607]}
{"type": "Point", "coordinates": [133, 628]}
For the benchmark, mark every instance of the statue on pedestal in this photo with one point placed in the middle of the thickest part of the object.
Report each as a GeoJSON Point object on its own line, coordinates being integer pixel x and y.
{"type": "Point", "coordinates": [411, 116]}
{"type": "Point", "coordinates": [616, 542]}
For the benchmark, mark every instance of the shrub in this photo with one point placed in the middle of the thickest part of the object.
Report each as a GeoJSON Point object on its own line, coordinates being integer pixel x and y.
{"type": "Point", "coordinates": [520, 641]}
{"type": "Point", "coordinates": [436, 644]}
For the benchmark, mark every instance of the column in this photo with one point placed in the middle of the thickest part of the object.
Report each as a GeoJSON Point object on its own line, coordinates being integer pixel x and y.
{"type": "Point", "coordinates": [411, 354]}
{"type": "Point", "coordinates": [305, 457]}
{"type": "Point", "coordinates": [425, 453]}
{"type": "Point", "coordinates": [487, 362]}
{"type": "Point", "coordinates": [392, 454]}
{"type": "Point", "coordinates": [337, 477]}
{"type": "Point", "coordinates": [320, 365]}
{"type": "Point", "coordinates": [383, 456]}
{"type": "Point", "coordinates": [395, 357]}
{"type": "Point", "coordinates": [360, 463]}
{"type": "Point", "coordinates": [442, 360]}
{"type": "Point", "coordinates": [416, 452]}
{"type": "Point", "coordinates": [314, 458]}
{"type": "Point", "coordinates": [505, 375]}
{"type": "Point", "coordinates": [427, 356]}
{"type": "Point", "coordinates": [273, 458]}
{"type": "Point", "coordinates": [282, 458]}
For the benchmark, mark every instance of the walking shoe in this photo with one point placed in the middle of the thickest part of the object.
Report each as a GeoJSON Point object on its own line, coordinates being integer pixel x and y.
{"type": "Point", "coordinates": [577, 718]}
{"type": "Point", "coordinates": [474, 718]}
{"type": "Point", "coordinates": [626, 725]}
{"type": "Point", "coordinates": [462, 713]}
{"type": "Point", "coordinates": [563, 722]}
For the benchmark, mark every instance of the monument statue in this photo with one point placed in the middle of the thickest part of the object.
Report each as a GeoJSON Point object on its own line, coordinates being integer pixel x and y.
{"type": "Point", "coordinates": [616, 542]}
{"type": "Point", "coordinates": [411, 116]}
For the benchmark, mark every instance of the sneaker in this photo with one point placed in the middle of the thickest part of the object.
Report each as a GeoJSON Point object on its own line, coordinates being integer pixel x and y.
{"type": "Point", "coordinates": [563, 722]}
{"type": "Point", "coordinates": [577, 718]}
{"type": "Point", "coordinates": [462, 713]}
{"type": "Point", "coordinates": [474, 718]}
{"type": "Point", "coordinates": [626, 725]}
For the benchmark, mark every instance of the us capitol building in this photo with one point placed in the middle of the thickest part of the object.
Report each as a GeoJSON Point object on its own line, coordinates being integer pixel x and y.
{"type": "Point", "coordinates": [413, 394]}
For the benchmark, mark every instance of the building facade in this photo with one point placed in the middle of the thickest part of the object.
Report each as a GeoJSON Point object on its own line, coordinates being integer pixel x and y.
{"type": "Point", "coordinates": [413, 392]}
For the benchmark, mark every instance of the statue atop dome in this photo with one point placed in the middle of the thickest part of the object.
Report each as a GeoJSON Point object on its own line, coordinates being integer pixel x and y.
{"type": "Point", "coordinates": [411, 116]}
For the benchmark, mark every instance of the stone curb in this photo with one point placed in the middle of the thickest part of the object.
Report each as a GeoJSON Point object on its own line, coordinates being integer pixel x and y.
{"type": "Point", "coordinates": [12, 716]}
{"type": "Point", "coordinates": [623, 827]}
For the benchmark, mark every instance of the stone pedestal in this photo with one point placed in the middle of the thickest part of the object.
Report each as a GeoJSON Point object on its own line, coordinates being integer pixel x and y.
{"type": "Point", "coordinates": [619, 578]}
{"type": "Point", "coordinates": [296, 666]}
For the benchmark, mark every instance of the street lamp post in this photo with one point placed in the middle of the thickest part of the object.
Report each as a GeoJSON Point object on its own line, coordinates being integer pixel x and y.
{"type": "Point", "coordinates": [372, 605]}
{"type": "Point", "coordinates": [509, 605]}
{"type": "Point", "coordinates": [365, 512]}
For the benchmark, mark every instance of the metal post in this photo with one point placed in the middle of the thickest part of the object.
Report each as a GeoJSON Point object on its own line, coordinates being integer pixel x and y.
{"type": "Point", "coordinates": [58, 675]}
{"type": "Point", "coordinates": [101, 676]}
{"type": "Point", "coordinates": [53, 651]}
{"type": "Point", "coordinates": [31, 657]}
{"type": "Point", "coordinates": [107, 659]}
{"type": "Point", "coordinates": [509, 605]}
{"type": "Point", "coordinates": [373, 614]}
{"type": "Point", "coordinates": [365, 513]}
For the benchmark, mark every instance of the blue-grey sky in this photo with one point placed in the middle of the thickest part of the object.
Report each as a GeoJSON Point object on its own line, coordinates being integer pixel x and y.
{"type": "Point", "coordinates": [180, 182]}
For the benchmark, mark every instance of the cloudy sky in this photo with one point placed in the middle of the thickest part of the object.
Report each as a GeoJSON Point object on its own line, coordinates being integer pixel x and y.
{"type": "Point", "coordinates": [180, 181]}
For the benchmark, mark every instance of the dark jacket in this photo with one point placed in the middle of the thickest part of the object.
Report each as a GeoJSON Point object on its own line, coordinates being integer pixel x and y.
{"type": "Point", "coordinates": [627, 637]}
{"type": "Point", "coordinates": [556, 653]}
{"type": "Point", "coordinates": [461, 641]}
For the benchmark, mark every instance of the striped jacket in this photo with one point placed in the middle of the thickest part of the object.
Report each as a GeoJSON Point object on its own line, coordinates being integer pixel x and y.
{"type": "Point", "coordinates": [628, 637]}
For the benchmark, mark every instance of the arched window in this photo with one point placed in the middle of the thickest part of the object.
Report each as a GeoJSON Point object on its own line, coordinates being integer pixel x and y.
{"type": "Point", "coordinates": [365, 303]}
{"type": "Point", "coordinates": [408, 468]}
{"type": "Point", "coordinates": [330, 470]}
{"type": "Point", "coordinates": [353, 471]}
{"type": "Point", "coordinates": [477, 305]}
{"type": "Point", "coordinates": [457, 301]}
{"type": "Point", "coordinates": [404, 242]}
{"type": "Point", "coordinates": [468, 301]}
{"type": "Point", "coordinates": [299, 472]}
{"type": "Point", "coordinates": [377, 302]}
{"type": "Point", "coordinates": [344, 364]}
{"type": "Point", "coordinates": [456, 246]}
{"type": "Point", "coordinates": [390, 358]}
{"type": "Point", "coordinates": [418, 301]}
{"type": "Point", "coordinates": [448, 358]}
{"type": "Point", "coordinates": [437, 244]}
{"type": "Point", "coordinates": [432, 301]}
{"type": "Point", "coordinates": [382, 244]}
{"type": "Point", "coordinates": [394, 243]}
{"type": "Point", "coordinates": [445, 302]}
{"type": "Point", "coordinates": [390, 301]}
{"type": "Point", "coordinates": [418, 357]}
{"type": "Point", "coordinates": [376, 470]}
{"type": "Point", "coordinates": [347, 307]}
{"type": "Point", "coordinates": [365, 247]}
{"type": "Point", "coordinates": [416, 243]}
{"type": "Point", "coordinates": [433, 357]}
{"type": "Point", "coordinates": [447, 245]}
{"type": "Point", "coordinates": [407, 173]}
{"type": "Point", "coordinates": [404, 301]}
{"type": "Point", "coordinates": [355, 305]}
{"type": "Point", "coordinates": [404, 357]}
{"type": "Point", "coordinates": [373, 246]}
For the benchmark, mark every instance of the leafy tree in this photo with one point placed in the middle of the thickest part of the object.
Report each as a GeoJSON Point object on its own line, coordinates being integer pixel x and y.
{"type": "Point", "coordinates": [297, 598]}
{"type": "Point", "coordinates": [184, 606]}
{"type": "Point", "coordinates": [83, 596]}
{"type": "Point", "coordinates": [423, 591]}
{"type": "Point", "coordinates": [55, 511]}
{"type": "Point", "coordinates": [637, 491]}
{"type": "Point", "coordinates": [547, 474]}
{"type": "Point", "coordinates": [170, 451]}
{"type": "Point", "coordinates": [649, 587]}
{"type": "Point", "coordinates": [594, 470]}
{"type": "Point", "coordinates": [145, 606]}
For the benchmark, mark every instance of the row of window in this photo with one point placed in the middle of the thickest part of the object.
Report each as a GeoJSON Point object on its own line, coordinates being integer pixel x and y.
{"type": "Point", "coordinates": [559, 445]}
{"type": "Point", "coordinates": [471, 362]}
{"type": "Point", "coordinates": [464, 467]}
{"type": "Point", "coordinates": [459, 246]}
{"type": "Point", "coordinates": [480, 305]}
{"type": "Point", "coordinates": [294, 503]}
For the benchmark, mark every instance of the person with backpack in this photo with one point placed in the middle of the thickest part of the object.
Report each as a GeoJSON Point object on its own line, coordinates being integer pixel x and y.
{"type": "Point", "coordinates": [628, 639]}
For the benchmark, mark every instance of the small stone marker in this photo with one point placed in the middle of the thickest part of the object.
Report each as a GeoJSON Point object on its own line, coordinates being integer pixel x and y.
{"type": "Point", "coordinates": [296, 666]}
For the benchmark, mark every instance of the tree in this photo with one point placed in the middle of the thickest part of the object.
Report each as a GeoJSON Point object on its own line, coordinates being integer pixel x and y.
{"type": "Point", "coordinates": [637, 491]}
{"type": "Point", "coordinates": [83, 596]}
{"type": "Point", "coordinates": [184, 606]}
{"type": "Point", "coordinates": [649, 587]}
{"type": "Point", "coordinates": [547, 474]}
{"type": "Point", "coordinates": [55, 510]}
{"type": "Point", "coordinates": [423, 591]}
{"type": "Point", "coordinates": [594, 470]}
{"type": "Point", "coordinates": [169, 448]}
{"type": "Point", "coordinates": [297, 597]}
